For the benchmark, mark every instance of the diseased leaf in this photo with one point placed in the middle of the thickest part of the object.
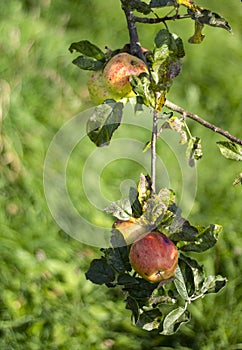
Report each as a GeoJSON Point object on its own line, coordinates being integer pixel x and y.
{"type": "Point", "coordinates": [144, 188]}
{"type": "Point", "coordinates": [193, 274]}
{"type": "Point", "coordinates": [120, 209]}
{"type": "Point", "coordinates": [176, 124]}
{"type": "Point", "coordinates": [88, 49]}
{"type": "Point", "coordinates": [204, 16]}
{"type": "Point", "coordinates": [149, 320]}
{"type": "Point", "coordinates": [206, 239]}
{"type": "Point", "coordinates": [213, 284]}
{"type": "Point", "coordinates": [100, 272]}
{"type": "Point", "coordinates": [104, 121]}
{"type": "Point", "coordinates": [194, 150]}
{"type": "Point", "coordinates": [174, 320]}
{"type": "Point", "coordinates": [87, 63]}
{"type": "Point", "coordinates": [230, 150]}
{"type": "Point", "coordinates": [182, 230]}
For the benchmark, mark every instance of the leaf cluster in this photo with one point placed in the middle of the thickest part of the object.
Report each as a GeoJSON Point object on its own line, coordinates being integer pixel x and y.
{"type": "Point", "coordinates": [156, 306]}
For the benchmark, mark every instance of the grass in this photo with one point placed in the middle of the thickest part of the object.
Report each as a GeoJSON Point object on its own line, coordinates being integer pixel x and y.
{"type": "Point", "coordinates": [45, 300]}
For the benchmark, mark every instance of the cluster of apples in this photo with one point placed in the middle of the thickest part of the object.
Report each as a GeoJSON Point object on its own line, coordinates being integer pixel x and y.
{"type": "Point", "coordinates": [112, 82]}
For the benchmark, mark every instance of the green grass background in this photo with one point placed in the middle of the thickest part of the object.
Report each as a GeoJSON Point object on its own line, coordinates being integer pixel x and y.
{"type": "Point", "coordinates": [45, 300]}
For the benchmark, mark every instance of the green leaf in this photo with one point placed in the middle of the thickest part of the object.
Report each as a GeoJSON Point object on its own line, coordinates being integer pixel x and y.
{"type": "Point", "coordinates": [193, 274]}
{"type": "Point", "coordinates": [174, 320]}
{"type": "Point", "coordinates": [100, 272]}
{"type": "Point", "coordinates": [182, 230]}
{"type": "Point", "coordinates": [141, 85]}
{"type": "Point", "coordinates": [194, 150]}
{"type": "Point", "coordinates": [162, 3]}
{"type": "Point", "coordinates": [88, 49]}
{"type": "Point", "coordinates": [104, 121]}
{"type": "Point", "coordinates": [87, 63]}
{"type": "Point", "coordinates": [131, 304]}
{"type": "Point", "coordinates": [204, 16]}
{"type": "Point", "coordinates": [118, 256]}
{"type": "Point", "coordinates": [139, 6]}
{"type": "Point", "coordinates": [230, 150]}
{"type": "Point", "coordinates": [213, 284]}
{"type": "Point", "coordinates": [141, 290]}
{"type": "Point", "coordinates": [180, 283]}
{"type": "Point", "coordinates": [206, 239]}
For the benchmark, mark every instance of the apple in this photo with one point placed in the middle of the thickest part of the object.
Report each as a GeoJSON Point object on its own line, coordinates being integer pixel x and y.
{"type": "Point", "coordinates": [118, 70]}
{"type": "Point", "coordinates": [98, 90]}
{"type": "Point", "coordinates": [154, 257]}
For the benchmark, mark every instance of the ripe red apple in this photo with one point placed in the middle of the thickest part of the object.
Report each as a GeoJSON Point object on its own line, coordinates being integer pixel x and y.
{"type": "Point", "coordinates": [118, 70]}
{"type": "Point", "coordinates": [154, 257]}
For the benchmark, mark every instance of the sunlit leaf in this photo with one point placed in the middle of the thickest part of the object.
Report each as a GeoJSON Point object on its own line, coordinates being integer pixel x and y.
{"type": "Point", "coordinates": [193, 274]}
{"type": "Point", "coordinates": [144, 188]}
{"type": "Point", "coordinates": [213, 284]}
{"type": "Point", "coordinates": [174, 320]}
{"type": "Point", "coordinates": [230, 150]}
{"type": "Point", "coordinates": [180, 283]}
{"type": "Point", "coordinates": [120, 209]}
{"type": "Point", "coordinates": [176, 124]}
{"type": "Point", "coordinates": [104, 121]}
{"type": "Point", "coordinates": [88, 49]}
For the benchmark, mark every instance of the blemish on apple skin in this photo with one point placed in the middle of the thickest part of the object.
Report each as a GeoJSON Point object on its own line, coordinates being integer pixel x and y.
{"type": "Point", "coordinates": [166, 240]}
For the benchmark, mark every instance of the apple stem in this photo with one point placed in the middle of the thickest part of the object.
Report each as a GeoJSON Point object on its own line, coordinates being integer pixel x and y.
{"type": "Point", "coordinates": [153, 150]}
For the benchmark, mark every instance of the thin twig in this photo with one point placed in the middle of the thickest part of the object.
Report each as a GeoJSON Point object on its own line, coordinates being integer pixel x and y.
{"type": "Point", "coordinates": [153, 149]}
{"type": "Point", "coordinates": [203, 122]}
{"type": "Point", "coordinates": [156, 20]}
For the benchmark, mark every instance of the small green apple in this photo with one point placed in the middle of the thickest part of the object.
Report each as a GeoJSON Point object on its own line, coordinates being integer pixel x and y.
{"type": "Point", "coordinates": [154, 257]}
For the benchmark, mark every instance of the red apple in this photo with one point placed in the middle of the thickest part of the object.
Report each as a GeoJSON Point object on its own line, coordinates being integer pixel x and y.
{"type": "Point", "coordinates": [118, 70]}
{"type": "Point", "coordinates": [154, 257]}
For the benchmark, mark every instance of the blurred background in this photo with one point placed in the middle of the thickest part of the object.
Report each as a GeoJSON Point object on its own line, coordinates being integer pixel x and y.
{"type": "Point", "coordinates": [45, 300]}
